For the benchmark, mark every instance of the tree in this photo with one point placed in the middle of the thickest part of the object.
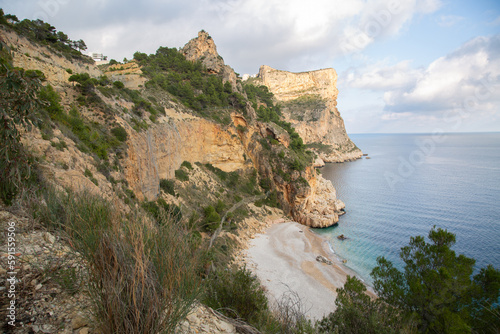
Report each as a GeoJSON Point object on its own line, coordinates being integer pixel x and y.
{"type": "Point", "coordinates": [80, 45]}
{"type": "Point", "coordinates": [359, 313]}
{"type": "Point", "coordinates": [436, 284]}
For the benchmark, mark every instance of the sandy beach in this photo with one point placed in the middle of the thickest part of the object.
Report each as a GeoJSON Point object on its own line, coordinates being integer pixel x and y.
{"type": "Point", "coordinates": [284, 259]}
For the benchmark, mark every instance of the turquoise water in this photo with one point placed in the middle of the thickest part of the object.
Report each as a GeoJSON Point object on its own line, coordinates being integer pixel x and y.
{"type": "Point", "coordinates": [410, 183]}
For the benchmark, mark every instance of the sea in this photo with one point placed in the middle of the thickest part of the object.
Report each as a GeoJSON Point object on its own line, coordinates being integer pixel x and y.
{"type": "Point", "coordinates": [409, 183]}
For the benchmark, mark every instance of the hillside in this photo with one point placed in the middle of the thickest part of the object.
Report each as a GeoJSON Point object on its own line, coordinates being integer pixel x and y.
{"type": "Point", "coordinates": [174, 136]}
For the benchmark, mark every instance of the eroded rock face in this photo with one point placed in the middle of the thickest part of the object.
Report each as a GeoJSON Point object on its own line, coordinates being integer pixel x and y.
{"type": "Point", "coordinates": [203, 48]}
{"type": "Point", "coordinates": [156, 153]}
{"type": "Point", "coordinates": [30, 56]}
{"type": "Point", "coordinates": [309, 102]}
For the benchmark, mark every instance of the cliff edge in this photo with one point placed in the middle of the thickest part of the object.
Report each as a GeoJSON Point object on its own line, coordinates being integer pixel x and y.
{"type": "Point", "coordinates": [309, 103]}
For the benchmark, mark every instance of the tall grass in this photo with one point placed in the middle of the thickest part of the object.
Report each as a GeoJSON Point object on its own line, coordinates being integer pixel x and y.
{"type": "Point", "coordinates": [142, 277]}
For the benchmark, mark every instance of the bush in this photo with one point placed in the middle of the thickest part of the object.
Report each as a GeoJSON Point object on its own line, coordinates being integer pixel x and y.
{"type": "Point", "coordinates": [181, 175]}
{"type": "Point", "coordinates": [187, 164]}
{"type": "Point", "coordinates": [120, 133]}
{"type": "Point", "coordinates": [118, 84]}
{"type": "Point", "coordinates": [236, 293]}
{"type": "Point", "coordinates": [142, 279]}
{"type": "Point", "coordinates": [167, 186]}
{"type": "Point", "coordinates": [212, 219]}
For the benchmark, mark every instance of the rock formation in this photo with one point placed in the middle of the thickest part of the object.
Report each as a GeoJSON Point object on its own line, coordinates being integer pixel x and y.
{"type": "Point", "coordinates": [157, 152]}
{"type": "Point", "coordinates": [203, 49]}
{"type": "Point", "coordinates": [309, 101]}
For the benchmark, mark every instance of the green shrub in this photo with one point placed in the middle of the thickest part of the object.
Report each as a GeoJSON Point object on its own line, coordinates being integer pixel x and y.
{"type": "Point", "coordinates": [118, 84]}
{"type": "Point", "coordinates": [187, 164]}
{"type": "Point", "coordinates": [141, 279]}
{"type": "Point", "coordinates": [120, 133]}
{"type": "Point", "coordinates": [181, 175]}
{"type": "Point", "coordinates": [236, 293]}
{"type": "Point", "coordinates": [167, 186]}
{"type": "Point", "coordinates": [212, 219]}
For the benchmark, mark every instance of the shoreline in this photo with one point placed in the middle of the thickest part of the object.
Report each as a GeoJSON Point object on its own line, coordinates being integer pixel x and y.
{"type": "Point", "coordinates": [283, 257]}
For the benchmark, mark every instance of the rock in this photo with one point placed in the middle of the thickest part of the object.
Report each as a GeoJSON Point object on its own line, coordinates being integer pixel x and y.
{"type": "Point", "coordinates": [49, 237]}
{"type": "Point", "coordinates": [203, 48]}
{"type": "Point", "coordinates": [309, 102]}
{"type": "Point", "coordinates": [322, 259]}
{"type": "Point", "coordinates": [318, 163]}
{"type": "Point", "coordinates": [78, 321]}
{"type": "Point", "coordinates": [84, 330]}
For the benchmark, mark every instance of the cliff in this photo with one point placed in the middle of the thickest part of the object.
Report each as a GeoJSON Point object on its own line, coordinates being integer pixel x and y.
{"type": "Point", "coordinates": [203, 48]}
{"type": "Point", "coordinates": [309, 101]}
{"type": "Point", "coordinates": [157, 144]}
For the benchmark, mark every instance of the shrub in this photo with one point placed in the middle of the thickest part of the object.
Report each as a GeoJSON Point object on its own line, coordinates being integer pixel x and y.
{"type": "Point", "coordinates": [142, 279]}
{"type": "Point", "coordinates": [181, 175]}
{"type": "Point", "coordinates": [236, 293]}
{"type": "Point", "coordinates": [118, 84]}
{"type": "Point", "coordinates": [212, 219]}
{"type": "Point", "coordinates": [120, 133]}
{"type": "Point", "coordinates": [167, 186]}
{"type": "Point", "coordinates": [187, 164]}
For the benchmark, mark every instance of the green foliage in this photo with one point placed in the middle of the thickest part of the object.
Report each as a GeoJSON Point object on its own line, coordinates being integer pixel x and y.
{"type": "Point", "coordinates": [169, 70]}
{"type": "Point", "coordinates": [181, 175]}
{"type": "Point", "coordinates": [45, 34]}
{"type": "Point", "coordinates": [167, 186]}
{"type": "Point", "coordinates": [236, 293]}
{"type": "Point", "coordinates": [187, 164]}
{"type": "Point", "coordinates": [120, 133]}
{"type": "Point", "coordinates": [162, 212]}
{"type": "Point", "coordinates": [358, 313]}
{"type": "Point", "coordinates": [260, 93]}
{"type": "Point", "coordinates": [19, 107]}
{"type": "Point", "coordinates": [141, 278]}
{"type": "Point", "coordinates": [211, 219]}
{"type": "Point", "coordinates": [436, 285]}
{"type": "Point", "coordinates": [118, 84]}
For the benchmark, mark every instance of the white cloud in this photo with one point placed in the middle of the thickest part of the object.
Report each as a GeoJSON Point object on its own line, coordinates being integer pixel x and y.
{"type": "Point", "coordinates": [248, 33]}
{"type": "Point", "coordinates": [467, 79]}
{"type": "Point", "coordinates": [379, 76]}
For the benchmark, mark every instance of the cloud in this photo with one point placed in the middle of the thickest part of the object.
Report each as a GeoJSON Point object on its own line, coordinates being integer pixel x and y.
{"type": "Point", "coordinates": [466, 79]}
{"type": "Point", "coordinates": [380, 77]}
{"type": "Point", "coordinates": [298, 35]}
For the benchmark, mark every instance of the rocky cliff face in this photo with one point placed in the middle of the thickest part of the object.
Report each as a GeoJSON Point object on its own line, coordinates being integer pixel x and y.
{"type": "Point", "coordinates": [157, 152]}
{"type": "Point", "coordinates": [203, 48]}
{"type": "Point", "coordinates": [33, 57]}
{"type": "Point", "coordinates": [312, 201]}
{"type": "Point", "coordinates": [309, 102]}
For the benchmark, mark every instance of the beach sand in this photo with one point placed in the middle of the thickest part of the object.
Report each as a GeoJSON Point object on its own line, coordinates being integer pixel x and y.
{"type": "Point", "coordinates": [284, 260]}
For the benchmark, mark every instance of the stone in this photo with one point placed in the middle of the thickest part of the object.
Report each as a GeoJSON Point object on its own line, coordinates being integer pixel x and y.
{"type": "Point", "coordinates": [84, 330]}
{"type": "Point", "coordinates": [322, 259]}
{"type": "Point", "coordinates": [78, 321]}
{"type": "Point", "coordinates": [49, 238]}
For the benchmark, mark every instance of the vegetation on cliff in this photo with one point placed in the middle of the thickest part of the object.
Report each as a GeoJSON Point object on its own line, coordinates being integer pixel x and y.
{"type": "Point", "coordinates": [147, 261]}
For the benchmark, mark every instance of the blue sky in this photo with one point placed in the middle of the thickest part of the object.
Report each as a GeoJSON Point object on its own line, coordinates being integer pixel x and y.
{"type": "Point", "coordinates": [403, 66]}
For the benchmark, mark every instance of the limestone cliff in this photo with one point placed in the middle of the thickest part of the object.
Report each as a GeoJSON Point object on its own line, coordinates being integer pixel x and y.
{"type": "Point", "coordinates": [309, 101]}
{"type": "Point", "coordinates": [203, 48]}
{"type": "Point", "coordinates": [307, 197]}
{"type": "Point", "coordinates": [157, 152]}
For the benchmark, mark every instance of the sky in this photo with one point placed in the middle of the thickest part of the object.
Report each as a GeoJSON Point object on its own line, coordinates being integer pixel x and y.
{"type": "Point", "coordinates": [403, 65]}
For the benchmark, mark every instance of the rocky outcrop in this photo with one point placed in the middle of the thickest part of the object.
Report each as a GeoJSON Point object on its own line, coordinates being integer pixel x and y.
{"type": "Point", "coordinates": [157, 152]}
{"type": "Point", "coordinates": [309, 101]}
{"type": "Point", "coordinates": [55, 67]}
{"type": "Point", "coordinates": [129, 74]}
{"type": "Point", "coordinates": [308, 198]}
{"type": "Point", "coordinates": [203, 49]}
